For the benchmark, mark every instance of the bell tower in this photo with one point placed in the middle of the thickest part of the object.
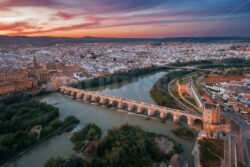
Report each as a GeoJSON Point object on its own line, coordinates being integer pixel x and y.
{"type": "Point", "coordinates": [34, 63]}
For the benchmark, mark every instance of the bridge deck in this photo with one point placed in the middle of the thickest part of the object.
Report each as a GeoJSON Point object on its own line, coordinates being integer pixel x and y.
{"type": "Point", "coordinates": [134, 102]}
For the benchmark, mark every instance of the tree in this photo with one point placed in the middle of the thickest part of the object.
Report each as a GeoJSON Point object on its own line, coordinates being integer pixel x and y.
{"type": "Point", "coordinates": [128, 146]}
{"type": "Point", "coordinates": [72, 161]}
{"type": "Point", "coordinates": [19, 113]}
{"type": "Point", "coordinates": [89, 133]}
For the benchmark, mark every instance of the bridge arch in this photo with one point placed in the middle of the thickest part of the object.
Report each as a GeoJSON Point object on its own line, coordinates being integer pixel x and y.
{"type": "Point", "coordinates": [183, 119]}
{"type": "Point", "coordinates": [114, 103]}
{"type": "Point", "coordinates": [157, 114]}
{"type": "Point", "coordinates": [145, 111]}
{"type": "Point", "coordinates": [73, 94]}
{"type": "Point", "coordinates": [142, 110]}
{"type": "Point", "coordinates": [96, 99]}
{"type": "Point", "coordinates": [131, 105]}
{"type": "Point", "coordinates": [169, 116]}
{"type": "Point", "coordinates": [135, 109]}
{"type": "Point", "coordinates": [125, 106]}
{"type": "Point", "coordinates": [87, 97]}
{"type": "Point", "coordinates": [104, 100]}
{"type": "Point", "coordinates": [107, 100]}
{"type": "Point", "coordinates": [79, 95]}
{"type": "Point", "coordinates": [198, 123]}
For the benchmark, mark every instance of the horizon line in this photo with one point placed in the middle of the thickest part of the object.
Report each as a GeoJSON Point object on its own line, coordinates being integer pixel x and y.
{"type": "Point", "coordinates": [125, 37]}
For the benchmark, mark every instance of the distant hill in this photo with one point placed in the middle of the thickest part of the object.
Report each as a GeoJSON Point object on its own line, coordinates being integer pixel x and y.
{"type": "Point", "coordinates": [42, 41]}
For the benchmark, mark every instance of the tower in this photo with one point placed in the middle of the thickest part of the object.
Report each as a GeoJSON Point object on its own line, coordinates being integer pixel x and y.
{"type": "Point", "coordinates": [211, 114]}
{"type": "Point", "coordinates": [34, 63]}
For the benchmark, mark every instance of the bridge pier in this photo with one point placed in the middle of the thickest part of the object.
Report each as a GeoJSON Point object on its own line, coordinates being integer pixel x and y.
{"type": "Point", "coordinates": [79, 95]}
{"type": "Point", "coordinates": [67, 92]}
{"type": "Point", "coordinates": [151, 112]}
{"type": "Point", "coordinates": [176, 118]}
{"type": "Point", "coordinates": [102, 101]}
{"type": "Point", "coordinates": [140, 110]}
{"type": "Point", "coordinates": [93, 99]}
{"type": "Point", "coordinates": [113, 103]}
{"type": "Point", "coordinates": [61, 90]}
{"type": "Point", "coordinates": [73, 94]}
{"type": "Point", "coordinates": [163, 115]}
{"type": "Point", "coordinates": [120, 105]}
{"type": "Point", "coordinates": [86, 97]}
{"type": "Point", "coordinates": [190, 121]}
{"type": "Point", "coordinates": [130, 107]}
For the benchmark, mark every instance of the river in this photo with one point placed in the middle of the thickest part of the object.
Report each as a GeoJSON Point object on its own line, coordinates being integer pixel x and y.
{"type": "Point", "coordinates": [137, 89]}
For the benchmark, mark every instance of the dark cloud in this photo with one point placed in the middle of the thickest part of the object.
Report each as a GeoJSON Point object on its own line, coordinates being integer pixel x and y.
{"type": "Point", "coordinates": [88, 6]}
{"type": "Point", "coordinates": [15, 3]}
{"type": "Point", "coordinates": [65, 16]}
{"type": "Point", "coordinates": [208, 7]}
{"type": "Point", "coordinates": [117, 13]}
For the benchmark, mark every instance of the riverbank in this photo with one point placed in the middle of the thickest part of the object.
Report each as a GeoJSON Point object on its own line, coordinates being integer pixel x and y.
{"type": "Point", "coordinates": [25, 123]}
{"type": "Point", "coordinates": [116, 77]}
{"type": "Point", "coordinates": [115, 148]}
{"type": "Point", "coordinates": [185, 133]}
{"type": "Point", "coordinates": [160, 92]}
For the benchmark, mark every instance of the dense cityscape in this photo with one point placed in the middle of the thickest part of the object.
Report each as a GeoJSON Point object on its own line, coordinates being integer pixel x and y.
{"type": "Point", "coordinates": [101, 58]}
{"type": "Point", "coordinates": [37, 70]}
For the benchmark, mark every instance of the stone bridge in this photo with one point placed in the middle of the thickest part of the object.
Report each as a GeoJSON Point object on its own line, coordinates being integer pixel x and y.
{"type": "Point", "coordinates": [132, 105]}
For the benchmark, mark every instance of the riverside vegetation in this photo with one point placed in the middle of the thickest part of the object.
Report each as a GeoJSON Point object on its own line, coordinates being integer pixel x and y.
{"type": "Point", "coordinates": [124, 146]}
{"type": "Point", "coordinates": [19, 113]}
{"type": "Point", "coordinates": [116, 77]}
{"type": "Point", "coordinates": [212, 151]}
{"type": "Point", "coordinates": [184, 132]}
{"type": "Point", "coordinates": [159, 91]}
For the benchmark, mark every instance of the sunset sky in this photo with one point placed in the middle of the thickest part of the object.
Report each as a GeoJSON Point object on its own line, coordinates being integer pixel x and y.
{"type": "Point", "coordinates": [125, 18]}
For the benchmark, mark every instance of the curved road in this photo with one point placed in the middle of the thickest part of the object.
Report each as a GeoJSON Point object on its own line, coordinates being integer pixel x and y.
{"type": "Point", "coordinates": [184, 106]}
{"type": "Point", "coordinates": [183, 98]}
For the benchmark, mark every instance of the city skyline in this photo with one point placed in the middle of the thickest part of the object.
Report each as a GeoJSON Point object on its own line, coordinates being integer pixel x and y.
{"type": "Point", "coordinates": [112, 18]}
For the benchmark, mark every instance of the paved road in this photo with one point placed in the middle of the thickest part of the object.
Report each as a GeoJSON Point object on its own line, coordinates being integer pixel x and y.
{"type": "Point", "coordinates": [240, 139]}
{"type": "Point", "coordinates": [181, 104]}
{"type": "Point", "coordinates": [183, 98]}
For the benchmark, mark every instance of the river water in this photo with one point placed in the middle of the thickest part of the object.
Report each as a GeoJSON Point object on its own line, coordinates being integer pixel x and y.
{"type": "Point", "coordinates": [138, 89]}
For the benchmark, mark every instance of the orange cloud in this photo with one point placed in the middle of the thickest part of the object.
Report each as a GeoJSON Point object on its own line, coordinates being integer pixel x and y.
{"type": "Point", "coordinates": [4, 9]}
{"type": "Point", "coordinates": [37, 31]}
{"type": "Point", "coordinates": [16, 26]}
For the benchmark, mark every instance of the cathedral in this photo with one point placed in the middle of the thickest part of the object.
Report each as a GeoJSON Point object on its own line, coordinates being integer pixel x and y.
{"type": "Point", "coordinates": [31, 77]}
